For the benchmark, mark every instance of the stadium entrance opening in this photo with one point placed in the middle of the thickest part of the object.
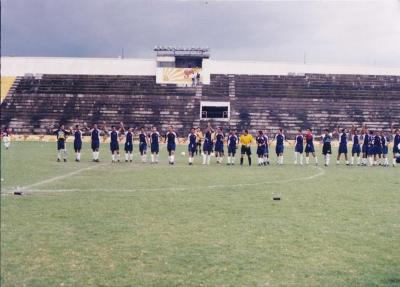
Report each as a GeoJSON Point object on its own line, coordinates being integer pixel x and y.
{"type": "Point", "coordinates": [215, 110]}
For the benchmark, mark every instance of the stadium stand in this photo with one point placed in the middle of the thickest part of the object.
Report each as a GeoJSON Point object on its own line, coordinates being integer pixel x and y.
{"type": "Point", "coordinates": [256, 101]}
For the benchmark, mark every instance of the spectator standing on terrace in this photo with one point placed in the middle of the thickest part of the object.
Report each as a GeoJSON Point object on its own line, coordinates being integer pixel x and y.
{"type": "Point", "coordinates": [193, 77]}
{"type": "Point", "coordinates": [197, 78]}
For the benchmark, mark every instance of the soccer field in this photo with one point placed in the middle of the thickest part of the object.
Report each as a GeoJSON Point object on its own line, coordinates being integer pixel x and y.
{"type": "Point", "coordinates": [103, 224]}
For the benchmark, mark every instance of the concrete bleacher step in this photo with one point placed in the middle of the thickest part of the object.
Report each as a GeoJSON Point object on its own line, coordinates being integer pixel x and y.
{"type": "Point", "coordinates": [257, 102]}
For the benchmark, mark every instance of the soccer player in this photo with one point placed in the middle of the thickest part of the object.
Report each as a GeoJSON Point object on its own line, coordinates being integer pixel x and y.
{"type": "Point", "coordinates": [377, 149]}
{"type": "Point", "coordinates": [326, 140]}
{"type": "Point", "coordinates": [171, 144]}
{"type": "Point", "coordinates": [371, 148]}
{"type": "Point", "coordinates": [61, 134]}
{"type": "Point", "coordinates": [232, 146]}
{"type": "Point", "coordinates": [219, 145]}
{"type": "Point", "coordinates": [396, 144]}
{"type": "Point", "coordinates": [266, 154]}
{"type": "Point", "coordinates": [207, 145]}
{"type": "Point", "coordinates": [246, 139]}
{"type": "Point", "coordinates": [95, 133]}
{"type": "Point", "coordinates": [6, 137]}
{"type": "Point", "coordinates": [310, 147]}
{"type": "Point", "coordinates": [385, 149]}
{"type": "Point", "coordinates": [343, 146]}
{"type": "Point", "coordinates": [280, 139]}
{"type": "Point", "coordinates": [365, 152]}
{"type": "Point", "coordinates": [199, 136]}
{"type": "Point", "coordinates": [261, 148]}
{"type": "Point", "coordinates": [77, 142]}
{"type": "Point", "coordinates": [128, 146]}
{"type": "Point", "coordinates": [356, 149]}
{"type": "Point", "coordinates": [114, 142]}
{"type": "Point", "coordinates": [298, 149]}
{"type": "Point", "coordinates": [143, 141]}
{"type": "Point", "coordinates": [192, 146]}
{"type": "Point", "coordinates": [155, 147]}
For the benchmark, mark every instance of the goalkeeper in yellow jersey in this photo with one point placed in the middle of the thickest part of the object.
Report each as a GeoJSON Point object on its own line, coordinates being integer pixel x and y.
{"type": "Point", "coordinates": [245, 140]}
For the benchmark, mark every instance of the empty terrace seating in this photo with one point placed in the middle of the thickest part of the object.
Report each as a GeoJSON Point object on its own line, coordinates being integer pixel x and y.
{"type": "Point", "coordinates": [316, 100]}
{"type": "Point", "coordinates": [256, 102]}
{"type": "Point", "coordinates": [136, 100]}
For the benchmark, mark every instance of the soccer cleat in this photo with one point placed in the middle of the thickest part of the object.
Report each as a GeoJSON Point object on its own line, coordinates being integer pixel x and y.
{"type": "Point", "coordinates": [126, 160]}
{"type": "Point", "coordinates": [58, 160]}
{"type": "Point", "coordinates": [65, 160]}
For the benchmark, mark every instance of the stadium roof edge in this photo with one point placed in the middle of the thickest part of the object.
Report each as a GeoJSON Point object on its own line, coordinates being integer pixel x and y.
{"type": "Point", "coordinates": [17, 66]}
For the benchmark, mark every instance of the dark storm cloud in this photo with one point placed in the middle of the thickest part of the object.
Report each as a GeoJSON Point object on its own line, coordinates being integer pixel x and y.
{"type": "Point", "coordinates": [336, 32]}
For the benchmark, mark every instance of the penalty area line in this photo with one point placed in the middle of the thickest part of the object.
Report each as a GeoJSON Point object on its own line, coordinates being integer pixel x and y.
{"type": "Point", "coordinates": [30, 190]}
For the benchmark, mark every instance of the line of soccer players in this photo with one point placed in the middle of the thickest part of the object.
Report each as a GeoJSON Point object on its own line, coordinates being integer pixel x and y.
{"type": "Point", "coordinates": [368, 147]}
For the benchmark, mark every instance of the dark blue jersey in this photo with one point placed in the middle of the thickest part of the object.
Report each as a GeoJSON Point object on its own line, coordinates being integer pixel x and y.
{"type": "Point", "coordinates": [171, 136]}
{"type": "Point", "coordinates": [366, 139]}
{"type": "Point", "coordinates": [279, 139]}
{"type": "Point", "coordinates": [343, 139]}
{"type": "Point", "coordinates": [356, 139]}
{"type": "Point", "coordinates": [128, 137]}
{"type": "Point", "coordinates": [299, 140]}
{"type": "Point", "coordinates": [142, 138]}
{"type": "Point", "coordinates": [396, 140]}
{"type": "Point", "coordinates": [155, 136]}
{"type": "Point", "coordinates": [233, 140]}
{"type": "Point", "coordinates": [377, 141]}
{"type": "Point", "coordinates": [220, 138]}
{"type": "Point", "coordinates": [95, 135]}
{"type": "Point", "coordinates": [208, 137]}
{"type": "Point", "coordinates": [77, 136]}
{"type": "Point", "coordinates": [114, 136]}
{"type": "Point", "coordinates": [192, 139]}
{"type": "Point", "coordinates": [327, 138]}
{"type": "Point", "coordinates": [370, 140]}
{"type": "Point", "coordinates": [260, 140]}
{"type": "Point", "coordinates": [384, 141]}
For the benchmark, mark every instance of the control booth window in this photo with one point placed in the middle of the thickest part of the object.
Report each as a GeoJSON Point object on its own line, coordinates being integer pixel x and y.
{"type": "Point", "coordinates": [215, 110]}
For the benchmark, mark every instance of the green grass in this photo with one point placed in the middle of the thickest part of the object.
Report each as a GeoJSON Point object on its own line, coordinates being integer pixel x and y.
{"type": "Point", "coordinates": [145, 225]}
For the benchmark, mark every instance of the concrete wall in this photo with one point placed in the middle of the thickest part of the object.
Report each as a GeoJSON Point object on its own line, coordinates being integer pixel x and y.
{"type": "Point", "coordinates": [18, 66]}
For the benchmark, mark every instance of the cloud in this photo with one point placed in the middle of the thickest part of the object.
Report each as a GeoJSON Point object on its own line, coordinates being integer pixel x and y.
{"type": "Point", "coordinates": [336, 32]}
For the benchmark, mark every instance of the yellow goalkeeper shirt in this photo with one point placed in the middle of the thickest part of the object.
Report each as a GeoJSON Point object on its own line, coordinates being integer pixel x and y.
{"type": "Point", "coordinates": [246, 139]}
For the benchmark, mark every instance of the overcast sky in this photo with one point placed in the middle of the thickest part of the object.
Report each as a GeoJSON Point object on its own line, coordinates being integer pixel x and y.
{"type": "Point", "coordinates": [330, 32]}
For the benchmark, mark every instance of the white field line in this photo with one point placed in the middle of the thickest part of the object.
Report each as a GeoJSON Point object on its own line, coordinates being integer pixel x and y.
{"type": "Point", "coordinates": [29, 189]}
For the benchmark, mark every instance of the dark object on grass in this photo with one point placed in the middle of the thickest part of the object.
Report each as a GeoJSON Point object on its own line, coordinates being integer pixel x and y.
{"type": "Point", "coordinates": [18, 192]}
{"type": "Point", "coordinates": [276, 198]}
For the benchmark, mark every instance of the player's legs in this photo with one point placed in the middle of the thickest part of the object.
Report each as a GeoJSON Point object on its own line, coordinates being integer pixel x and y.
{"type": "Point", "coordinates": [248, 152]}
